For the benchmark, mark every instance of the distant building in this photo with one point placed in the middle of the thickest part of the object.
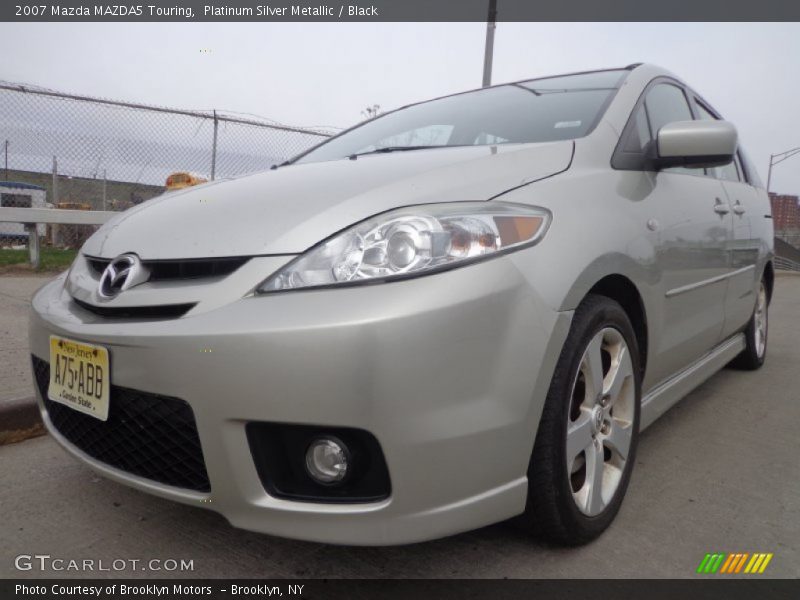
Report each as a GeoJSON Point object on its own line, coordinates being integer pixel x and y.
{"type": "Point", "coordinates": [786, 217]}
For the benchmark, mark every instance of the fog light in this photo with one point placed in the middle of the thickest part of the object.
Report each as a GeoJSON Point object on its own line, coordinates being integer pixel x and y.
{"type": "Point", "coordinates": [327, 460]}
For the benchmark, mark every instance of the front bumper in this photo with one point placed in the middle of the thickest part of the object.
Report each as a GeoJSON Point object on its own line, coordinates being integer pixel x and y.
{"type": "Point", "coordinates": [449, 372]}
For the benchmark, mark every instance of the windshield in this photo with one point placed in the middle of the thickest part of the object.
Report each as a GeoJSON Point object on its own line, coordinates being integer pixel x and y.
{"type": "Point", "coordinates": [541, 110]}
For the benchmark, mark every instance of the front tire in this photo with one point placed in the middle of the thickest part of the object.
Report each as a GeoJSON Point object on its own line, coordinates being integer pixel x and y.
{"type": "Point", "coordinates": [755, 351]}
{"type": "Point", "coordinates": [585, 446]}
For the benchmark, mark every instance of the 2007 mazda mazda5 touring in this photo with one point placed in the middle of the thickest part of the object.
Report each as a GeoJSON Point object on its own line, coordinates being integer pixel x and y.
{"type": "Point", "coordinates": [459, 312]}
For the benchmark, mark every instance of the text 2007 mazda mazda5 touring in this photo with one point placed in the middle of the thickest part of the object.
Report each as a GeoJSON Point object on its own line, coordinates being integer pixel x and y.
{"type": "Point", "coordinates": [459, 312]}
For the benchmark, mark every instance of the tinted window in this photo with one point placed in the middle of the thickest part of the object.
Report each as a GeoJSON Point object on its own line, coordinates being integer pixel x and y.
{"type": "Point", "coordinates": [704, 113]}
{"type": "Point", "coordinates": [750, 173]}
{"type": "Point", "coordinates": [729, 172]}
{"type": "Point", "coordinates": [665, 104]}
{"type": "Point", "coordinates": [640, 133]}
{"type": "Point", "coordinates": [546, 110]}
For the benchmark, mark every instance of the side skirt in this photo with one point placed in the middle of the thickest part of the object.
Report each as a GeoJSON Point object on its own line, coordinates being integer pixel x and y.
{"type": "Point", "coordinates": [667, 393]}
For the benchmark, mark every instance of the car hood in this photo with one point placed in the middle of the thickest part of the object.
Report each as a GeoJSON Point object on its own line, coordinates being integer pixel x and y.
{"type": "Point", "coordinates": [287, 210]}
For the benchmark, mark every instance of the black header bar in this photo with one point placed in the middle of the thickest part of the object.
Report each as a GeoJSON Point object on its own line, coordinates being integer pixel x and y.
{"type": "Point", "coordinates": [707, 588]}
{"type": "Point", "coordinates": [372, 11]}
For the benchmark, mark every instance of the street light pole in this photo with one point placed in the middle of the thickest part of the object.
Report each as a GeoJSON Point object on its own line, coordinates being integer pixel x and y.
{"type": "Point", "coordinates": [775, 159]}
{"type": "Point", "coordinates": [488, 54]}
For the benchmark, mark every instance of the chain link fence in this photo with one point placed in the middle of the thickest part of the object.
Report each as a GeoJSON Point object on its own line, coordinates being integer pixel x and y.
{"type": "Point", "coordinates": [83, 153]}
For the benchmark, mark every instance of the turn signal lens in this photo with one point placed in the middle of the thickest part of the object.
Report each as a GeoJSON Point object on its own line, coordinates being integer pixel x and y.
{"type": "Point", "coordinates": [413, 241]}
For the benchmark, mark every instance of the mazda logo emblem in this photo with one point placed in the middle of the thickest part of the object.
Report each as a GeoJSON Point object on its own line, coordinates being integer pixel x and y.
{"type": "Point", "coordinates": [122, 273]}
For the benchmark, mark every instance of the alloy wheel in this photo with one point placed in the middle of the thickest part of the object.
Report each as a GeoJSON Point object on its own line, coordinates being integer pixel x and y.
{"type": "Point", "coordinates": [760, 329]}
{"type": "Point", "coordinates": [600, 423]}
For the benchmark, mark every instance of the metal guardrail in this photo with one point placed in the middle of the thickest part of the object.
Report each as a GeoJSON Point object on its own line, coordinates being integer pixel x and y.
{"type": "Point", "coordinates": [784, 264]}
{"type": "Point", "coordinates": [30, 217]}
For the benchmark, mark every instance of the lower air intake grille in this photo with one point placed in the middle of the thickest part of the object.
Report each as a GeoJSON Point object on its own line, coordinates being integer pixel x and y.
{"type": "Point", "coordinates": [159, 311]}
{"type": "Point", "coordinates": [146, 434]}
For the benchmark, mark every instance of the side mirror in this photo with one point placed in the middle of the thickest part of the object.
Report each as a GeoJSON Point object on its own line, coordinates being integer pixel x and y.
{"type": "Point", "coordinates": [694, 144]}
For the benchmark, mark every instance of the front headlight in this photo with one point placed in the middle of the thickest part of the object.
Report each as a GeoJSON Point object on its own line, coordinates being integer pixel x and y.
{"type": "Point", "coordinates": [412, 241]}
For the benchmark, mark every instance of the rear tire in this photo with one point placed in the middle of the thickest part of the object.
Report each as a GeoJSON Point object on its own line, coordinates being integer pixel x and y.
{"type": "Point", "coordinates": [585, 446]}
{"type": "Point", "coordinates": [755, 351]}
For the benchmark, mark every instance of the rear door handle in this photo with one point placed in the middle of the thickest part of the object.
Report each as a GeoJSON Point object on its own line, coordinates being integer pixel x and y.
{"type": "Point", "coordinates": [721, 208]}
{"type": "Point", "coordinates": [738, 208]}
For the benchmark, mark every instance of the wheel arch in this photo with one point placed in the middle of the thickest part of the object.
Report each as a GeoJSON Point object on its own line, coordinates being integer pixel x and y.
{"type": "Point", "coordinates": [614, 277]}
{"type": "Point", "coordinates": [622, 290]}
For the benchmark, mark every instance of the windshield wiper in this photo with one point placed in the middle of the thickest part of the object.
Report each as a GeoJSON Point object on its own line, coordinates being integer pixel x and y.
{"type": "Point", "coordinates": [387, 149]}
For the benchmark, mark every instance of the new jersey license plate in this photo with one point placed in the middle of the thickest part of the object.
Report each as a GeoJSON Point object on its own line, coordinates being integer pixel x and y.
{"type": "Point", "coordinates": [79, 376]}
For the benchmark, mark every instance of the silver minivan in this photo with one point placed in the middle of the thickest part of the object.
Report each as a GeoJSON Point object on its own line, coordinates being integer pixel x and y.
{"type": "Point", "coordinates": [459, 312]}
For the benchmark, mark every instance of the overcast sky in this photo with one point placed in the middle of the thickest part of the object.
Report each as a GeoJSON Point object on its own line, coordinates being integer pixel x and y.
{"type": "Point", "coordinates": [325, 74]}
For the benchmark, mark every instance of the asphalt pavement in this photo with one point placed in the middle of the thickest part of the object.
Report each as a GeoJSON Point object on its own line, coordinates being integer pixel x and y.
{"type": "Point", "coordinates": [15, 372]}
{"type": "Point", "coordinates": [718, 473]}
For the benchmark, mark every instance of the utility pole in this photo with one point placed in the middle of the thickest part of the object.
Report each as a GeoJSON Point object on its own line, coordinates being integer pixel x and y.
{"type": "Point", "coordinates": [55, 182]}
{"type": "Point", "coordinates": [778, 158]}
{"type": "Point", "coordinates": [489, 50]}
{"type": "Point", "coordinates": [6, 160]}
{"type": "Point", "coordinates": [104, 189]}
{"type": "Point", "coordinates": [214, 148]}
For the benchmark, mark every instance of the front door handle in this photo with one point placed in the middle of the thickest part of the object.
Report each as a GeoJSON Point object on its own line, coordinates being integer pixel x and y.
{"type": "Point", "coordinates": [721, 208]}
{"type": "Point", "coordinates": [738, 208]}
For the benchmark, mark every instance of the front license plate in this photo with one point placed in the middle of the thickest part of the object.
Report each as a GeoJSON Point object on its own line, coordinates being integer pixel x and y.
{"type": "Point", "coordinates": [79, 376]}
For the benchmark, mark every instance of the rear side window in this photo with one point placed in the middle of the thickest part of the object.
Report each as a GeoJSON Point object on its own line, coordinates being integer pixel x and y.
{"type": "Point", "coordinates": [745, 171]}
{"type": "Point", "coordinates": [750, 172]}
{"type": "Point", "coordinates": [729, 172]}
{"type": "Point", "coordinates": [704, 113]}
